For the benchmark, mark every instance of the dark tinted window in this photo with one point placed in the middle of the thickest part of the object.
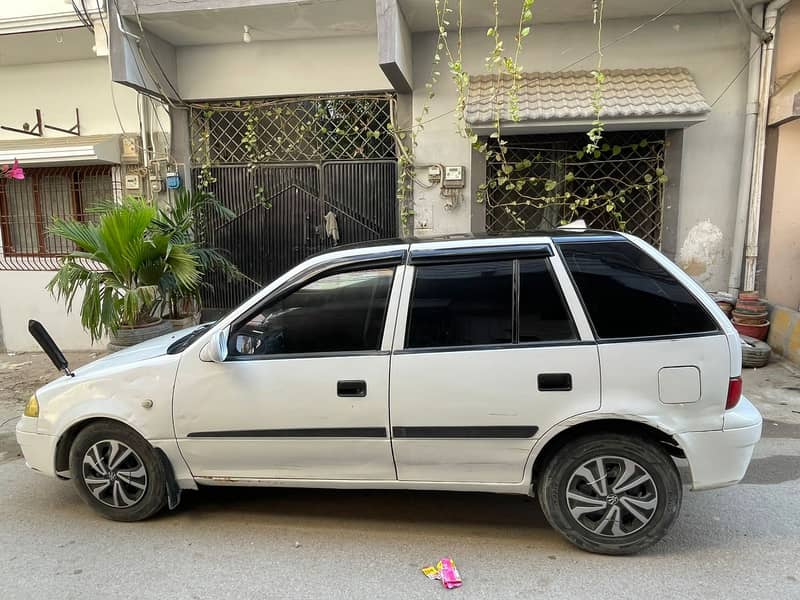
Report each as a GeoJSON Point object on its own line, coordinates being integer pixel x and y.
{"type": "Point", "coordinates": [338, 313]}
{"type": "Point", "coordinates": [628, 294]}
{"type": "Point", "coordinates": [461, 305]}
{"type": "Point", "coordinates": [543, 317]}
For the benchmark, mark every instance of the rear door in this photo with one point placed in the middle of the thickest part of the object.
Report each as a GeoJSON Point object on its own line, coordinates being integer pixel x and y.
{"type": "Point", "coordinates": [487, 357]}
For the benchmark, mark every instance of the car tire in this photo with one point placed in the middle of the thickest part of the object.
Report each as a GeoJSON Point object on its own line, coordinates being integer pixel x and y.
{"type": "Point", "coordinates": [582, 492]}
{"type": "Point", "coordinates": [755, 353]}
{"type": "Point", "coordinates": [117, 472]}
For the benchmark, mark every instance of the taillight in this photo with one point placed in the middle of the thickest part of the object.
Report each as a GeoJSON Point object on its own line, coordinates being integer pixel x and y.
{"type": "Point", "coordinates": [734, 392]}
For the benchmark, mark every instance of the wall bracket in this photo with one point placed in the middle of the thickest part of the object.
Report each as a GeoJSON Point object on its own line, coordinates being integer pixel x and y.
{"type": "Point", "coordinates": [74, 130]}
{"type": "Point", "coordinates": [36, 130]}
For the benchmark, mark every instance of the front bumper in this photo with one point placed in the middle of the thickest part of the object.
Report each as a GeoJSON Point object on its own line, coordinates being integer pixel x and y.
{"type": "Point", "coordinates": [38, 448]}
{"type": "Point", "coordinates": [720, 458]}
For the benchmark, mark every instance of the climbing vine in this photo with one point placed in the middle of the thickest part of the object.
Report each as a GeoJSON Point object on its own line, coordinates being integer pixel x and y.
{"type": "Point", "coordinates": [571, 196]}
{"type": "Point", "coordinates": [510, 183]}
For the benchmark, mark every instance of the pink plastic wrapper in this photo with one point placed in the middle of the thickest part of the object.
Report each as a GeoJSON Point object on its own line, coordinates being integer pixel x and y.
{"type": "Point", "coordinates": [446, 572]}
{"type": "Point", "coordinates": [450, 577]}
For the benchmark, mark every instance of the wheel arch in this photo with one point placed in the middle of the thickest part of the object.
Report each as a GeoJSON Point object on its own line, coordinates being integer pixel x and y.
{"type": "Point", "coordinates": [557, 439]}
{"type": "Point", "coordinates": [67, 437]}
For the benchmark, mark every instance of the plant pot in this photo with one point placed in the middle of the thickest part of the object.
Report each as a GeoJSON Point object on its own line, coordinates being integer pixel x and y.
{"type": "Point", "coordinates": [184, 322]}
{"type": "Point", "coordinates": [755, 331]}
{"type": "Point", "coordinates": [746, 319]}
{"type": "Point", "coordinates": [130, 336]}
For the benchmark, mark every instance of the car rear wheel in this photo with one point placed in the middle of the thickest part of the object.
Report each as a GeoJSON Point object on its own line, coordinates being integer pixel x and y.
{"type": "Point", "coordinates": [610, 493]}
{"type": "Point", "coordinates": [117, 472]}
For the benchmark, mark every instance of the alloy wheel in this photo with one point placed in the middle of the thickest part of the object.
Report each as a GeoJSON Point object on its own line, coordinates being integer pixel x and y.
{"type": "Point", "coordinates": [612, 496]}
{"type": "Point", "coordinates": [114, 474]}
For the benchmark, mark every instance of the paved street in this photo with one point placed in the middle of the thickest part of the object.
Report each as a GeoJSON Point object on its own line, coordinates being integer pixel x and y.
{"type": "Point", "coordinates": [740, 542]}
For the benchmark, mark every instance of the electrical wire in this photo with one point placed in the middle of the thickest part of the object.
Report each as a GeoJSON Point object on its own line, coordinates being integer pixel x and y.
{"type": "Point", "coordinates": [572, 64]}
{"type": "Point", "coordinates": [735, 77]}
{"type": "Point", "coordinates": [81, 17]}
{"type": "Point", "coordinates": [624, 35]}
{"type": "Point", "coordinates": [155, 57]}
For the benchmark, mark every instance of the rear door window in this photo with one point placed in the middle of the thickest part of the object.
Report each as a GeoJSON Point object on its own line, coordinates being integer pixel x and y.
{"type": "Point", "coordinates": [627, 294]}
{"type": "Point", "coordinates": [543, 315]}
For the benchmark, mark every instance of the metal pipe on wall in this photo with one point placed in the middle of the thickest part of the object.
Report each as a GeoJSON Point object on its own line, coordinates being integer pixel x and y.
{"type": "Point", "coordinates": [754, 212]}
{"type": "Point", "coordinates": [748, 146]}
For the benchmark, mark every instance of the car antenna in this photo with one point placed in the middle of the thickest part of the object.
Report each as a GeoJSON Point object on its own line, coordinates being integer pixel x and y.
{"type": "Point", "coordinates": [49, 346]}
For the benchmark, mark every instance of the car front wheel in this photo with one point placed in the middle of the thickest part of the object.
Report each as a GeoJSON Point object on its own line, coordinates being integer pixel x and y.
{"type": "Point", "coordinates": [610, 493]}
{"type": "Point", "coordinates": [117, 472]}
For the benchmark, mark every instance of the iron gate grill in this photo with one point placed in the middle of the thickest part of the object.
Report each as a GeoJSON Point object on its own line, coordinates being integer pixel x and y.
{"type": "Point", "coordinates": [28, 207]}
{"type": "Point", "coordinates": [631, 160]}
{"type": "Point", "coordinates": [295, 129]}
{"type": "Point", "coordinates": [306, 157]}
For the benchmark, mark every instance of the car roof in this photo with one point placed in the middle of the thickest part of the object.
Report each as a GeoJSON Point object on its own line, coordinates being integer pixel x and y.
{"type": "Point", "coordinates": [572, 234]}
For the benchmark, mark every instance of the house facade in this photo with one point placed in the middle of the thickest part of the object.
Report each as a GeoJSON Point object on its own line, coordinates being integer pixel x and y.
{"type": "Point", "coordinates": [285, 110]}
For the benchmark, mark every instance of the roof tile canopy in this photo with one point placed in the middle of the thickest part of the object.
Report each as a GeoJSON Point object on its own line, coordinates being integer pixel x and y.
{"type": "Point", "coordinates": [645, 96]}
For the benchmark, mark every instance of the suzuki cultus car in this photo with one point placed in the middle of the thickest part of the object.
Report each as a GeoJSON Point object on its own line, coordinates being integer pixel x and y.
{"type": "Point", "coordinates": [573, 366]}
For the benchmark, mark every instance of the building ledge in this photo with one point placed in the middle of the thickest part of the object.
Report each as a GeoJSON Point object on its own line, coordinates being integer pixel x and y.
{"type": "Point", "coordinates": [79, 150]}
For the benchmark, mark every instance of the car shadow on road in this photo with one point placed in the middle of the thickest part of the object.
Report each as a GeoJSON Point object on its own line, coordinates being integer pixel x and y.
{"type": "Point", "coordinates": [425, 508]}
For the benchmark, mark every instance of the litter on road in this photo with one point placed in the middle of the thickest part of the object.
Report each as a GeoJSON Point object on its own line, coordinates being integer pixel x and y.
{"type": "Point", "coordinates": [446, 572]}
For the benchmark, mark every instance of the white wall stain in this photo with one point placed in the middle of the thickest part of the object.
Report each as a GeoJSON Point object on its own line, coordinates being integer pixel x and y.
{"type": "Point", "coordinates": [702, 251]}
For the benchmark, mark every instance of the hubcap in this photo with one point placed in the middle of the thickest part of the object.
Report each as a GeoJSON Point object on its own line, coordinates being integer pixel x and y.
{"type": "Point", "coordinates": [114, 474]}
{"type": "Point", "coordinates": [612, 496]}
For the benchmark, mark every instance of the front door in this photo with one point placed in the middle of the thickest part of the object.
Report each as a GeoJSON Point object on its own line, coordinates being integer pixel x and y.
{"type": "Point", "coordinates": [490, 361]}
{"type": "Point", "coordinates": [304, 391]}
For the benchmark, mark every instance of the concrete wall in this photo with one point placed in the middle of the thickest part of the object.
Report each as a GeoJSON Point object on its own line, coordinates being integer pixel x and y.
{"type": "Point", "coordinates": [784, 332]}
{"type": "Point", "coordinates": [783, 258]}
{"type": "Point", "coordinates": [57, 88]}
{"type": "Point", "coordinates": [712, 46]}
{"type": "Point", "coordinates": [280, 68]}
{"type": "Point", "coordinates": [781, 193]}
{"type": "Point", "coordinates": [22, 297]}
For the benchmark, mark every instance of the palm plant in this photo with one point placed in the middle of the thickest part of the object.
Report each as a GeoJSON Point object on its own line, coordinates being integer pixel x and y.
{"type": "Point", "coordinates": [180, 222]}
{"type": "Point", "coordinates": [133, 258]}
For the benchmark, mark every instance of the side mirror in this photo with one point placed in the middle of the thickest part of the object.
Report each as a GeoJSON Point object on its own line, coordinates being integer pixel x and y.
{"type": "Point", "coordinates": [216, 350]}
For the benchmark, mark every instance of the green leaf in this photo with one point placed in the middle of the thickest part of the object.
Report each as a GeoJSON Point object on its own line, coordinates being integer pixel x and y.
{"type": "Point", "coordinates": [648, 178]}
{"type": "Point", "coordinates": [615, 150]}
{"type": "Point", "coordinates": [525, 31]}
{"type": "Point", "coordinates": [550, 185]}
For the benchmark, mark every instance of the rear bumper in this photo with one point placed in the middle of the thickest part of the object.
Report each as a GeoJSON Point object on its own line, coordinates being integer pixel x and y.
{"type": "Point", "coordinates": [38, 449]}
{"type": "Point", "coordinates": [720, 458]}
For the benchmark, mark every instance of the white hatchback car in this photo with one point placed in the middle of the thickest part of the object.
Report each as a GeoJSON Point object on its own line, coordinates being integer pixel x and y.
{"type": "Point", "coordinates": [573, 366]}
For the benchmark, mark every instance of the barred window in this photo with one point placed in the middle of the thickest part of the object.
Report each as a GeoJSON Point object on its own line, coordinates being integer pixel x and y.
{"type": "Point", "coordinates": [28, 206]}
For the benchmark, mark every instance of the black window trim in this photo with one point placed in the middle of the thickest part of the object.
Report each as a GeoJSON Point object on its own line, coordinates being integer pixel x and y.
{"type": "Point", "coordinates": [469, 254]}
{"type": "Point", "coordinates": [485, 347]}
{"type": "Point", "coordinates": [392, 258]}
{"type": "Point", "coordinates": [643, 338]}
{"type": "Point", "coordinates": [516, 288]}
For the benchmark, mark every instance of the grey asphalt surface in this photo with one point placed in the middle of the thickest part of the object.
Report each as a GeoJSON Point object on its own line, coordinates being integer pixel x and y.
{"type": "Point", "coordinates": [739, 542]}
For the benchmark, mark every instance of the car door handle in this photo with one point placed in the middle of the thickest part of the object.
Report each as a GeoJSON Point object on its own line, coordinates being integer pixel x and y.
{"type": "Point", "coordinates": [555, 382]}
{"type": "Point", "coordinates": [351, 389]}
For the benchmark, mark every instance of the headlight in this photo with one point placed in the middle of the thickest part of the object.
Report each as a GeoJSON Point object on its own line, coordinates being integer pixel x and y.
{"type": "Point", "coordinates": [32, 407]}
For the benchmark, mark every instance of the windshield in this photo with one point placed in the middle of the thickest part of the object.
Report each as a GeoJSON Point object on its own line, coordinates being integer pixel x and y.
{"type": "Point", "coordinates": [185, 341]}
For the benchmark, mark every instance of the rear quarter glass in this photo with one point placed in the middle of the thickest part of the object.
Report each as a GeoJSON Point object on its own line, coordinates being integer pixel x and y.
{"type": "Point", "coordinates": [627, 294]}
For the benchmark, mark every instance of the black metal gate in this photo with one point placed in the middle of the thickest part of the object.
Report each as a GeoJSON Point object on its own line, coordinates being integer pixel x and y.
{"type": "Point", "coordinates": [281, 207]}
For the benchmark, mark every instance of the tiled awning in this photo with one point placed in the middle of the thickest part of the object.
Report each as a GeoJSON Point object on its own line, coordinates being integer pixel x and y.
{"type": "Point", "coordinates": [631, 98]}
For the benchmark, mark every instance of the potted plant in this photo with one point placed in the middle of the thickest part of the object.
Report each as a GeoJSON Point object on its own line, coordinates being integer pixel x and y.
{"type": "Point", "coordinates": [119, 264]}
{"type": "Point", "coordinates": [181, 303]}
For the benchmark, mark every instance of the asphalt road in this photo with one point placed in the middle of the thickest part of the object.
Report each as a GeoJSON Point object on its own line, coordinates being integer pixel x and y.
{"type": "Point", "coordinates": [739, 542]}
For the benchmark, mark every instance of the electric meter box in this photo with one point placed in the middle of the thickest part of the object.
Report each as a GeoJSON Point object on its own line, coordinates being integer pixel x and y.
{"type": "Point", "coordinates": [454, 177]}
